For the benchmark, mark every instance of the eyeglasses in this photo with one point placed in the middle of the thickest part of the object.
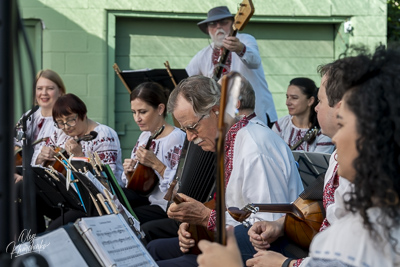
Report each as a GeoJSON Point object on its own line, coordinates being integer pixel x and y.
{"type": "Point", "coordinates": [192, 129]}
{"type": "Point", "coordinates": [70, 123]}
{"type": "Point", "coordinates": [222, 22]}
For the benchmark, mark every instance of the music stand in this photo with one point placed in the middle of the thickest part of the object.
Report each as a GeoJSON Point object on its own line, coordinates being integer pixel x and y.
{"type": "Point", "coordinates": [132, 78]}
{"type": "Point", "coordinates": [87, 188]}
{"type": "Point", "coordinates": [54, 192]}
{"type": "Point", "coordinates": [311, 165]}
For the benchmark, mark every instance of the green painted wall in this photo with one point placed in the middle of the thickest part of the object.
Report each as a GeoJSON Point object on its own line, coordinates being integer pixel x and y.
{"type": "Point", "coordinates": [82, 39]}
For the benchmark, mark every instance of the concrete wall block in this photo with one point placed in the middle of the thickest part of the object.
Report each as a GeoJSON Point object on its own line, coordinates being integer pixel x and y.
{"type": "Point", "coordinates": [292, 7]}
{"type": "Point", "coordinates": [350, 8]}
{"type": "Point", "coordinates": [76, 84]}
{"type": "Point", "coordinates": [51, 19]}
{"type": "Point", "coordinates": [95, 44]}
{"type": "Point", "coordinates": [54, 61]}
{"type": "Point", "coordinates": [280, 83]}
{"type": "Point", "coordinates": [68, 4]}
{"type": "Point", "coordinates": [30, 3]}
{"type": "Point", "coordinates": [97, 107]}
{"type": "Point", "coordinates": [86, 63]}
{"type": "Point", "coordinates": [369, 25]}
{"type": "Point", "coordinates": [90, 20]}
{"type": "Point", "coordinates": [377, 7]}
{"type": "Point", "coordinates": [97, 85]}
{"type": "Point", "coordinates": [71, 41]}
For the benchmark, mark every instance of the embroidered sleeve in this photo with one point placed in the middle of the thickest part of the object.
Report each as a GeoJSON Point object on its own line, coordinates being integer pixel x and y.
{"type": "Point", "coordinates": [325, 262]}
{"type": "Point", "coordinates": [211, 221]}
{"type": "Point", "coordinates": [241, 54]}
{"type": "Point", "coordinates": [298, 262]}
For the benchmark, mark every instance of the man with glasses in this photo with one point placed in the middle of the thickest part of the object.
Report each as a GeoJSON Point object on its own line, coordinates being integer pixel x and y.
{"type": "Point", "coordinates": [259, 166]}
{"type": "Point", "coordinates": [243, 58]}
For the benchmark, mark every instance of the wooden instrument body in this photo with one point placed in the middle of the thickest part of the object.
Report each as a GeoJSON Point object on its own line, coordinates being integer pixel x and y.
{"type": "Point", "coordinates": [143, 179]}
{"type": "Point", "coordinates": [198, 232]}
{"type": "Point", "coordinates": [61, 153]}
{"type": "Point", "coordinates": [18, 151]}
{"type": "Point", "coordinates": [18, 156]}
{"type": "Point", "coordinates": [302, 222]}
{"type": "Point", "coordinates": [302, 231]}
{"type": "Point", "coordinates": [56, 164]}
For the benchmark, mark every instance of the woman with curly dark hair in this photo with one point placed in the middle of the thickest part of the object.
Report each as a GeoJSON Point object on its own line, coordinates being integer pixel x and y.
{"type": "Point", "coordinates": [367, 232]}
{"type": "Point", "coordinates": [368, 149]}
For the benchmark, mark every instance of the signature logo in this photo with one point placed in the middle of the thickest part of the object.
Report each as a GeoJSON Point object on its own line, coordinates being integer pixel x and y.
{"type": "Point", "coordinates": [25, 244]}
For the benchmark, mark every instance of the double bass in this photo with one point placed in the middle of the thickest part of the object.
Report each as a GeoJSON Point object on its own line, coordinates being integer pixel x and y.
{"type": "Point", "coordinates": [143, 179]}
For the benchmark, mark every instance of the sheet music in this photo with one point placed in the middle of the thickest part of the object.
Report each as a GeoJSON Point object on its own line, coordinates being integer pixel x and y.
{"type": "Point", "coordinates": [120, 207]}
{"type": "Point", "coordinates": [114, 241]}
{"type": "Point", "coordinates": [61, 251]}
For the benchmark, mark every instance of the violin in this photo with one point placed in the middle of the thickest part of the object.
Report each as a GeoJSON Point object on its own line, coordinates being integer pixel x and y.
{"type": "Point", "coordinates": [61, 153]}
{"type": "Point", "coordinates": [18, 151]}
{"type": "Point", "coordinates": [143, 179]}
{"type": "Point", "coordinates": [242, 17]}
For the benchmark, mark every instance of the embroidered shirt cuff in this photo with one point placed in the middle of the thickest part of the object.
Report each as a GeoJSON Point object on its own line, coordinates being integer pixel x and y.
{"type": "Point", "coordinates": [297, 263]}
{"type": "Point", "coordinates": [241, 54]}
{"type": "Point", "coordinates": [211, 221]}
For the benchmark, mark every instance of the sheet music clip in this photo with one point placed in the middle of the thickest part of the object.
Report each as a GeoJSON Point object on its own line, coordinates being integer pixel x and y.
{"type": "Point", "coordinates": [88, 229]}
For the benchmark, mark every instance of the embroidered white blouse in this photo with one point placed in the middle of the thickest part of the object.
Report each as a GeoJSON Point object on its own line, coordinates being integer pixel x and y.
{"type": "Point", "coordinates": [106, 144]}
{"type": "Point", "coordinates": [168, 150]}
{"type": "Point", "coordinates": [292, 134]}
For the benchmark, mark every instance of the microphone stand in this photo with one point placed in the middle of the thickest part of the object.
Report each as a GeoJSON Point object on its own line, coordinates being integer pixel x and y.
{"type": "Point", "coordinates": [29, 192]}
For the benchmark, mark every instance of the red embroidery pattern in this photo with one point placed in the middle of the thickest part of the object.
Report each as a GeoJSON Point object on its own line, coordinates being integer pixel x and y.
{"type": "Point", "coordinates": [328, 199]}
{"type": "Point", "coordinates": [173, 155]}
{"type": "Point", "coordinates": [108, 156]}
{"type": "Point", "coordinates": [229, 147]}
{"type": "Point", "coordinates": [215, 59]}
{"type": "Point", "coordinates": [39, 127]}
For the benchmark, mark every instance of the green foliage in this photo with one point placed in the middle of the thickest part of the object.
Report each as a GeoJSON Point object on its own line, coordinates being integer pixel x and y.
{"type": "Point", "coordinates": [393, 26]}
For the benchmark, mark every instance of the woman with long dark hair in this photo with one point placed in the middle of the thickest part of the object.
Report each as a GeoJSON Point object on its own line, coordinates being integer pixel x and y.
{"type": "Point", "coordinates": [300, 129]}
{"type": "Point", "coordinates": [149, 109]}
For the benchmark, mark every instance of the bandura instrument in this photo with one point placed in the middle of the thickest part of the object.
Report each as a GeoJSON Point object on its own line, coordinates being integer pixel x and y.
{"type": "Point", "coordinates": [143, 179]}
{"type": "Point", "coordinates": [18, 152]}
{"type": "Point", "coordinates": [310, 135]}
{"type": "Point", "coordinates": [303, 217]}
{"type": "Point", "coordinates": [61, 153]}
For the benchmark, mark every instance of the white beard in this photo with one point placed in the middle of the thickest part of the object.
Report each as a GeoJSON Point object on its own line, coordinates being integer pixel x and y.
{"type": "Point", "coordinates": [217, 39]}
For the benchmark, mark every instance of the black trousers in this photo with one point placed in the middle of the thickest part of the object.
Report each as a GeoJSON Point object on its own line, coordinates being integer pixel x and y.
{"type": "Point", "coordinates": [162, 228]}
{"type": "Point", "coordinates": [142, 207]}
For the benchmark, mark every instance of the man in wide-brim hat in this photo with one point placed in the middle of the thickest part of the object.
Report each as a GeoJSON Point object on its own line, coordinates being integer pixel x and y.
{"type": "Point", "coordinates": [244, 58]}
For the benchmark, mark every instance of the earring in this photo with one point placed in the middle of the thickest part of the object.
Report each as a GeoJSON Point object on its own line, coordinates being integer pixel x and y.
{"type": "Point", "coordinates": [217, 112]}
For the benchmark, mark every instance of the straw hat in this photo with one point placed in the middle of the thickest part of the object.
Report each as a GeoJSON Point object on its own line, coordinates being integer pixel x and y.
{"type": "Point", "coordinates": [216, 13]}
